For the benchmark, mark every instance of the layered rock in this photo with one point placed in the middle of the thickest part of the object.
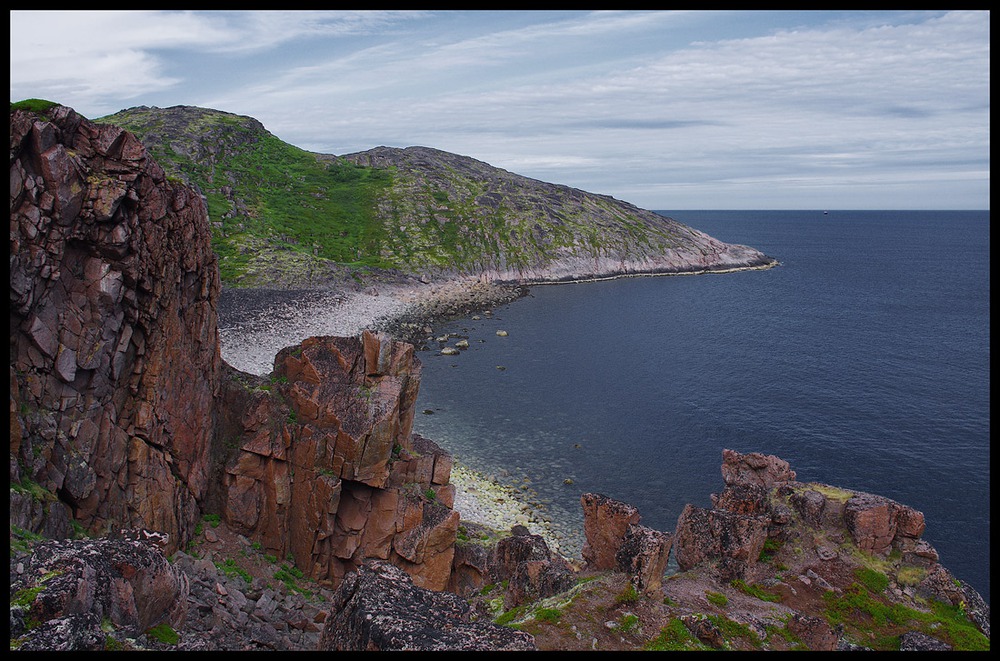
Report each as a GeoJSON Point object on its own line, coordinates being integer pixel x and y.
{"type": "Point", "coordinates": [124, 414]}
{"type": "Point", "coordinates": [324, 465]}
{"type": "Point", "coordinates": [114, 348]}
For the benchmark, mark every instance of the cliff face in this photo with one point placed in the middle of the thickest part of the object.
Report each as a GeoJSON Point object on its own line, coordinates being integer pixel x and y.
{"type": "Point", "coordinates": [123, 415]}
{"type": "Point", "coordinates": [114, 351]}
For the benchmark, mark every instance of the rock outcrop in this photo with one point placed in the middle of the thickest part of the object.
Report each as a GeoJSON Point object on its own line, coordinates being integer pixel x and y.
{"type": "Point", "coordinates": [68, 590]}
{"type": "Point", "coordinates": [123, 414]}
{"type": "Point", "coordinates": [323, 464]}
{"type": "Point", "coordinates": [377, 608]}
{"type": "Point", "coordinates": [114, 348]}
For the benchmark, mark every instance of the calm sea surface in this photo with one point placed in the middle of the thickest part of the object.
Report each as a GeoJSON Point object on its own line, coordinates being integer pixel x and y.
{"type": "Point", "coordinates": [863, 360]}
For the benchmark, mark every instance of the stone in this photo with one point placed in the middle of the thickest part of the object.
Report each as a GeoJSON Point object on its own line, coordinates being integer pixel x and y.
{"type": "Point", "coordinates": [643, 555]}
{"type": "Point", "coordinates": [71, 584]}
{"type": "Point", "coordinates": [605, 522]}
{"type": "Point", "coordinates": [754, 468]}
{"type": "Point", "coordinates": [378, 609]}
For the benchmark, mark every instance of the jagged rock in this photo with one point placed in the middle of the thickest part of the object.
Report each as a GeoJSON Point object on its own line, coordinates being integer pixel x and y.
{"type": "Point", "coordinates": [876, 522]}
{"type": "Point", "coordinates": [531, 570]}
{"type": "Point", "coordinates": [605, 522]}
{"type": "Point", "coordinates": [377, 608]}
{"type": "Point", "coordinates": [735, 539]}
{"type": "Point", "coordinates": [113, 326]}
{"type": "Point", "coordinates": [643, 555]}
{"type": "Point", "coordinates": [754, 468]}
{"type": "Point", "coordinates": [126, 582]}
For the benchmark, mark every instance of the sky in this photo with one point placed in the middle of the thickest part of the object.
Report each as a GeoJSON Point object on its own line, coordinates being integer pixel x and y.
{"type": "Point", "coordinates": [668, 110]}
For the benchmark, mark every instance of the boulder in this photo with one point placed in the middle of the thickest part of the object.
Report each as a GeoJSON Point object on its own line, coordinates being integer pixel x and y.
{"type": "Point", "coordinates": [643, 555]}
{"type": "Point", "coordinates": [735, 540]}
{"type": "Point", "coordinates": [378, 608]}
{"type": "Point", "coordinates": [531, 570]}
{"type": "Point", "coordinates": [72, 586]}
{"type": "Point", "coordinates": [754, 468]}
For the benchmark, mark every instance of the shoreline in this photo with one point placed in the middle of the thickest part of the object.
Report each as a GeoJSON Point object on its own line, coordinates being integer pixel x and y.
{"type": "Point", "coordinates": [254, 324]}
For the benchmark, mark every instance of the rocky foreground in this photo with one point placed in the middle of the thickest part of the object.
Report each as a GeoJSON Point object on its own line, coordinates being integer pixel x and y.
{"type": "Point", "coordinates": [775, 564]}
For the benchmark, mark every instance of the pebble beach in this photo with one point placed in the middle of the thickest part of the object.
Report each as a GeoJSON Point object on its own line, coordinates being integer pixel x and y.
{"type": "Point", "coordinates": [255, 324]}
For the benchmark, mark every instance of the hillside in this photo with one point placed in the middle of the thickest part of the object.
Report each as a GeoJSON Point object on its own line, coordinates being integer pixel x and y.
{"type": "Point", "coordinates": [282, 216]}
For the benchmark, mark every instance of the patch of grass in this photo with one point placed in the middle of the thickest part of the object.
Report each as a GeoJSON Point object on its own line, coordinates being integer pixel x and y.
{"type": "Point", "coordinates": [873, 580]}
{"type": "Point", "coordinates": [550, 615]}
{"type": "Point", "coordinates": [212, 519]}
{"type": "Point", "coordinates": [163, 633]}
{"type": "Point", "coordinates": [732, 630]}
{"type": "Point", "coordinates": [833, 493]}
{"type": "Point", "coordinates": [716, 598]}
{"type": "Point", "coordinates": [910, 575]}
{"type": "Point", "coordinates": [627, 596]}
{"type": "Point", "coordinates": [628, 623]}
{"type": "Point", "coordinates": [756, 591]}
{"type": "Point", "coordinates": [769, 550]}
{"type": "Point", "coordinates": [675, 637]}
{"type": "Point", "coordinates": [41, 106]}
{"type": "Point", "coordinates": [230, 568]}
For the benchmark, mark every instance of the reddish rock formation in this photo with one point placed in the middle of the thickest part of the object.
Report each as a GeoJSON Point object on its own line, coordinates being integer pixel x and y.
{"type": "Point", "coordinates": [605, 522]}
{"type": "Point", "coordinates": [326, 467]}
{"type": "Point", "coordinates": [125, 415]}
{"type": "Point", "coordinates": [114, 349]}
{"type": "Point", "coordinates": [643, 555]}
{"type": "Point", "coordinates": [530, 570]}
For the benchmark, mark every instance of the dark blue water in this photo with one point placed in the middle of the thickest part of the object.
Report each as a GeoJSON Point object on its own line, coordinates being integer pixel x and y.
{"type": "Point", "coordinates": [863, 360]}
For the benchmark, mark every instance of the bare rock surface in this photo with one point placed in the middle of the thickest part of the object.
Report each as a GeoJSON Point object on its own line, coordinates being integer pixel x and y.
{"type": "Point", "coordinates": [377, 608]}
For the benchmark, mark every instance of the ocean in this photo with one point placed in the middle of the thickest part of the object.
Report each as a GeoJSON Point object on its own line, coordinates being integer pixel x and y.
{"type": "Point", "coordinates": [862, 360]}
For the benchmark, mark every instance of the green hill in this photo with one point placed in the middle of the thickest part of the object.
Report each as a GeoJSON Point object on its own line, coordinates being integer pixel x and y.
{"type": "Point", "coordinates": [283, 216]}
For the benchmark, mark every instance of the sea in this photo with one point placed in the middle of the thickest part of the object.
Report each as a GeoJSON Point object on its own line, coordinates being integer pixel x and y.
{"type": "Point", "coordinates": [862, 359]}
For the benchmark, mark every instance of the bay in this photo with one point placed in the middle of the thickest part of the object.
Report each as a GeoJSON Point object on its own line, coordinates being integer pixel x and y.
{"type": "Point", "coordinates": [862, 360]}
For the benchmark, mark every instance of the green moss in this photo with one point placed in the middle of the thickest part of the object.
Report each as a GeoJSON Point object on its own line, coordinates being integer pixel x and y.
{"type": "Point", "coordinates": [627, 596]}
{"type": "Point", "coordinates": [163, 633]}
{"type": "Point", "coordinates": [732, 630]}
{"type": "Point", "coordinates": [627, 623]}
{"type": "Point", "coordinates": [41, 106]}
{"type": "Point", "coordinates": [873, 580]}
{"type": "Point", "coordinates": [675, 637]}
{"type": "Point", "coordinates": [716, 598]}
{"type": "Point", "coordinates": [550, 615]}
{"type": "Point", "coordinates": [756, 591]}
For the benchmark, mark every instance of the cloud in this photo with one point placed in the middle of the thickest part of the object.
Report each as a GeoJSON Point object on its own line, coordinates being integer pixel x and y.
{"type": "Point", "coordinates": [606, 101]}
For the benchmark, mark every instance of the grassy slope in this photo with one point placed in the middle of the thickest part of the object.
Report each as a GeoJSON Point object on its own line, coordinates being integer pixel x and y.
{"type": "Point", "coordinates": [266, 196]}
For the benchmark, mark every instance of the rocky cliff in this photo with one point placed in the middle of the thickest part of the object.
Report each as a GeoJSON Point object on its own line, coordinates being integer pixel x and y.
{"type": "Point", "coordinates": [124, 416]}
{"type": "Point", "coordinates": [129, 434]}
{"type": "Point", "coordinates": [114, 355]}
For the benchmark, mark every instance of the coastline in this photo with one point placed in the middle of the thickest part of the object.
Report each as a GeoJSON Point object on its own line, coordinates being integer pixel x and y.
{"type": "Point", "coordinates": [255, 324]}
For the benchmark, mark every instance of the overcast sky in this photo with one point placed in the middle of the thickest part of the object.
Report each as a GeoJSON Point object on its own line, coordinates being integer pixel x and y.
{"type": "Point", "coordinates": [667, 110]}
